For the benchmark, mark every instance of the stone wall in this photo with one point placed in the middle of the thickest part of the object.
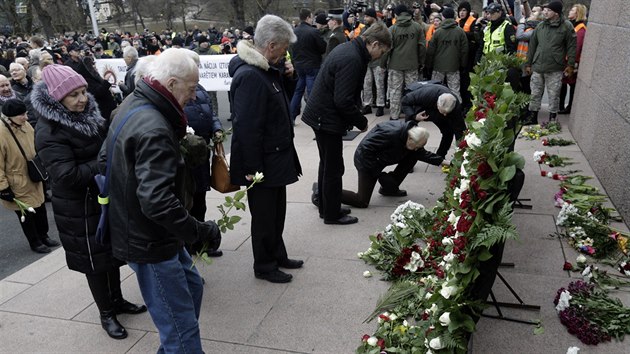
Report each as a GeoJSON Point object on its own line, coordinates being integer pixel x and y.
{"type": "Point", "coordinates": [600, 118]}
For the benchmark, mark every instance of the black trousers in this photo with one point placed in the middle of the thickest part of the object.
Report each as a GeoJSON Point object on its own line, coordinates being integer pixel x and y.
{"type": "Point", "coordinates": [563, 96]}
{"type": "Point", "coordinates": [35, 225]}
{"type": "Point", "coordinates": [391, 181]}
{"type": "Point", "coordinates": [360, 199]}
{"type": "Point", "coordinates": [268, 207]}
{"type": "Point", "coordinates": [105, 288]}
{"type": "Point", "coordinates": [329, 177]}
{"type": "Point", "coordinates": [447, 134]}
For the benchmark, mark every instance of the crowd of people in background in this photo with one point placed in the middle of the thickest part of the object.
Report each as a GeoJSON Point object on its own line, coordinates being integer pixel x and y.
{"type": "Point", "coordinates": [414, 61]}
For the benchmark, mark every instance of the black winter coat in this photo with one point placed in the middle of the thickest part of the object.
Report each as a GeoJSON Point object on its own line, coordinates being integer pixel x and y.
{"type": "Point", "coordinates": [307, 52]}
{"type": "Point", "coordinates": [148, 222]}
{"type": "Point", "coordinates": [201, 118]}
{"type": "Point", "coordinates": [68, 144]}
{"type": "Point", "coordinates": [385, 145]}
{"type": "Point", "coordinates": [23, 92]}
{"type": "Point", "coordinates": [263, 131]}
{"type": "Point", "coordinates": [335, 103]}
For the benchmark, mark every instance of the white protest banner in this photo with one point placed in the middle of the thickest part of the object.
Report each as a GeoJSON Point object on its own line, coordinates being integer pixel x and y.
{"type": "Point", "coordinates": [213, 71]}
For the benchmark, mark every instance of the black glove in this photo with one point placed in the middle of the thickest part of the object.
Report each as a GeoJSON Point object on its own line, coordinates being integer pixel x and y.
{"type": "Point", "coordinates": [210, 234]}
{"type": "Point", "coordinates": [7, 195]}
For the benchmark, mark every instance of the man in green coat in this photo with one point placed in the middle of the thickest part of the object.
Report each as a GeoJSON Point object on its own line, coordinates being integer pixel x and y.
{"type": "Point", "coordinates": [448, 52]}
{"type": "Point", "coordinates": [553, 40]}
{"type": "Point", "coordinates": [406, 57]}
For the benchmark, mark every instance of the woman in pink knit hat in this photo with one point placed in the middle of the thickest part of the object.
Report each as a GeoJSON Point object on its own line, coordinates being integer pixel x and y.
{"type": "Point", "coordinates": [69, 133]}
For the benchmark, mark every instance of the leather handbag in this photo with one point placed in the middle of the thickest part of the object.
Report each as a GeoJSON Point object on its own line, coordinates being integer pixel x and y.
{"type": "Point", "coordinates": [220, 177]}
{"type": "Point", "coordinates": [36, 170]}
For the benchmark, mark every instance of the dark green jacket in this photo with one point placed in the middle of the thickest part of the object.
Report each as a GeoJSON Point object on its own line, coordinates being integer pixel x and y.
{"type": "Point", "coordinates": [550, 44]}
{"type": "Point", "coordinates": [408, 46]}
{"type": "Point", "coordinates": [448, 49]}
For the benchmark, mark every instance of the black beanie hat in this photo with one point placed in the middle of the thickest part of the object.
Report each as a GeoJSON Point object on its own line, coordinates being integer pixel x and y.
{"type": "Point", "coordinates": [555, 6]}
{"type": "Point", "coordinates": [464, 5]}
{"type": "Point", "coordinates": [448, 12]}
{"type": "Point", "coordinates": [400, 9]}
{"type": "Point", "coordinates": [13, 108]}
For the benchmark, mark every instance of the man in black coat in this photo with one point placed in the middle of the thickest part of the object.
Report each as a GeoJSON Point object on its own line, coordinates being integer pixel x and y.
{"type": "Point", "coordinates": [438, 104]}
{"type": "Point", "coordinates": [306, 56]}
{"type": "Point", "coordinates": [389, 143]}
{"type": "Point", "coordinates": [147, 219]}
{"type": "Point", "coordinates": [263, 140]}
{"type": "Point", "coordinates": [334, 105]}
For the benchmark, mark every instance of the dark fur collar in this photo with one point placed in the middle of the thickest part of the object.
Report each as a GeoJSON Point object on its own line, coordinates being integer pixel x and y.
{"type": "Point", "coordinates": [89, 122]}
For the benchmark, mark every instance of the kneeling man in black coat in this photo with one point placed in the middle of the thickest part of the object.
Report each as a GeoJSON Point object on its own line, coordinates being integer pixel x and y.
{"type": "Point", "coordinates": [389, 143]}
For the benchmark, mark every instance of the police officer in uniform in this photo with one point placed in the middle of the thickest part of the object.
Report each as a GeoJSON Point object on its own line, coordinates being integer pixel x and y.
{"type": "Point", "coordinates": [336, 30]}
{"type": "Point", "coordinates": [499, 35]}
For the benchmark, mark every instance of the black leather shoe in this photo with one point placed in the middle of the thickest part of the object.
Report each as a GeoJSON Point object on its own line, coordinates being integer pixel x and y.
{"type": "Point", "coordinates": [342, 211]}
{"type": "Point", "coordinates": [124, 306]}
{"type": "Point", "coordinates": [41, 249]}
{"type": "Point", "coordinates": [379, 111]}
{"type": "Point", "coordinates": [110, 324]}
{"type": "Point", "coordinates": [291, 263]}
{"type": "Point", "coordinates": [214, 253]}
{"type": "Point", "coordinates": [366, 110]}
{"type": "Point", "coordinates": [50, 242]}
{"type": "Point", "coordinates": [564, 111]}
{"type": "Point", "coordinates": [344, 220]}
{"type": "Point", "coordinates": [392, 193]}
{"type": "Point", "coordinates": [275, 276]}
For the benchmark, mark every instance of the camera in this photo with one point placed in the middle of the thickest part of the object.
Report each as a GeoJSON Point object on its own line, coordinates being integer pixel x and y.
{"type": "Point", "coordinates": [358, 7]}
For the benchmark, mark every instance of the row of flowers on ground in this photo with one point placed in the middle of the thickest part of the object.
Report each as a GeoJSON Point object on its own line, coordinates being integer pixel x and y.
{"type": "Point", "coordinates": [433, 256]}
{"type": "Point", "coordinates": [586, 307]}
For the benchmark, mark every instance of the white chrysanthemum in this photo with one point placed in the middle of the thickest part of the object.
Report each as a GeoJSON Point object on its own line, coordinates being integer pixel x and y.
{"type": "Point", "coordinates": [448, 291]}
{"type": "Point", "coordinates": [436, 343]}
{"type": "Point", "coordinates": [452, 217]}
{"type": "Point", "coordinates": [563, 302]}
{"type": "Point", "coordinates": [190, 130]}
{"type": "Point", "coordinates": [573, 350]}
{"type": "Point", "coordinates": [445, 319]}
{"type": "Point", "coordinates": [367, 274]}
{"type": "Point", "coordinates": [564, 214]}
{"type": "Point", "coordinates": [472, 140]}
{"type": "Point", "coordinates": [580, 259]}
{"type": "Point", "coordinates": [372, 341]}
{"type": "Point", "coordinates": [449, 257]}
{"type": "Point", "coordinates": [464, 184]}
{"type": "Point", "coordinates": [446, 241]}
{"type": "Point", "coordinates": [538, 156]}
{"type": "Point", "coordinates": [462, 171]}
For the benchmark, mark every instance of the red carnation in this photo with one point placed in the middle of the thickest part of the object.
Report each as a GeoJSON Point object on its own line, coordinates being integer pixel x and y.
{"type": "Point", "coordinates": [439, 273]}
{"type": "Point", "coordinates": [461, 257]}
{"type": "Point", "coordinates": [480, 114]}
{"type": "Point", "coordinates": [484, 170]}
{"type": "Point", "coordinates": [365, 337]}
{"type": "Point", "coordinates": [543, 173]}
{"type": "Point", "coordinates": [463, 144]}
{"type": "Point", "coordinates": [463, 225]}
{"type": "Point", "coordinates": [481, 194]}
{"type": "Point", "coordinates": [383, 317]}
{"type": "Point", "coordinates": [567, 266]}
{"type": "Point", "coordinates": [381, 343]}
{"type": "Point", "coordinates": [425, 316]}
{"type": "Point", "coordinates": [545, 142]}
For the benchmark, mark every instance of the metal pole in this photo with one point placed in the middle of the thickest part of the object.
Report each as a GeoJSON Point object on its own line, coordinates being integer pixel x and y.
{"type": "Point", "coordinates": [93, 17]}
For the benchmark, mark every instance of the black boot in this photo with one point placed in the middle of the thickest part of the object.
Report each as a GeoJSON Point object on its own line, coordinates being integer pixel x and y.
{"type": "Point", "coordinates": [111, 325]}
{"type": "Point", "coordinates": [315, 195]}
{"type": "Point", "coordinates": [532, 118]}
{"type": "Point", "coordinates": [379, 111]}
{"type": "Point", "coordinates": [123, 306]}
{"type": "Point", "coordinates": [552, 117]}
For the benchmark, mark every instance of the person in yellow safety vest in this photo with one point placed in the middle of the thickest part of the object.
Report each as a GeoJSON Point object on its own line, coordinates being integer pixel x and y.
{"type": "Point", "coordinates": [499, 34]}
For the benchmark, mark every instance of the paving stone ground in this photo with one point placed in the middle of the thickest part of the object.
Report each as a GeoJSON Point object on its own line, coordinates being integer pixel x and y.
{"type": "Point", "coordinates": [46, 308]}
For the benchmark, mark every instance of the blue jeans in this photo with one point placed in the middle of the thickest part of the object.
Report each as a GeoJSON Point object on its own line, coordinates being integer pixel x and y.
{"type": "Point", "coordinates": [306, 80]}
{"type": "Point", "coordinates": [173, 292]}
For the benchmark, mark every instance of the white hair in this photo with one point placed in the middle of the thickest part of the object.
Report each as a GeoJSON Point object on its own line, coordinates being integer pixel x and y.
{"type": "Point", "coordinates": [130, 52]}
{"type": "Point", "coordinates": [418, 135]}
{"type": "Point", "coordinates": [271, 28]}
{"type": "Point", "coordinates": [173, 62]}
{"type": "Point", "coordinates": [446, 102]}
{"type": "Point", "coordinates": [142, 67]}
{"type": "Point", "coordinates": [124, 44]}
{"type": "Point", "coordinates": [15, 66]}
